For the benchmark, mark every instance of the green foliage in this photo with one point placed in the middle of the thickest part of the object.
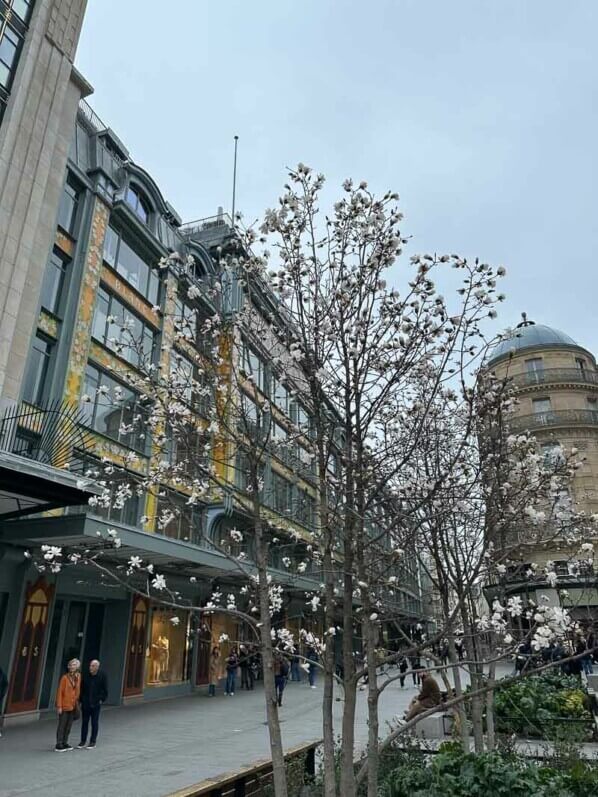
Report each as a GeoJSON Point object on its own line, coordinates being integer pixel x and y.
{"type": "Point", "coordinates": [452, 773]}
{"type": "Point", "coordinates": [550, 705]}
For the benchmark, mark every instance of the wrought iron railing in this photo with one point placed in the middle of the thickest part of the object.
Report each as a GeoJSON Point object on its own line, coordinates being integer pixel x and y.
{"type": "Point", "coordinates": [54, 433]}
{"type": "Point", "coordinates": [554, 418]}
{"type": "Point", "coordinates": [549, 376]}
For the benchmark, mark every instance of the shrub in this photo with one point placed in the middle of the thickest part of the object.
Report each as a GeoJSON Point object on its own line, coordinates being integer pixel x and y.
{"type": "Point", "coordinates": [452, 773]}
{"type": "Point", "coordinates": [550, 705]}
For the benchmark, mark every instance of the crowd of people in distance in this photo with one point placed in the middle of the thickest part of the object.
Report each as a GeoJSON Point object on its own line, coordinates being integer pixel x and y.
{"type": "Point", "coordinates": [583, 649]}
{"type": "Point", "coordinates": [247, 660]}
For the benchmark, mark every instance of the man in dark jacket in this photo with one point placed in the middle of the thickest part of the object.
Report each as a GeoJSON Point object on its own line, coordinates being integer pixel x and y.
{"type": "Point", "coordinates": [94, 691]}
{"type": "Point", "coordinates": [3, 689]}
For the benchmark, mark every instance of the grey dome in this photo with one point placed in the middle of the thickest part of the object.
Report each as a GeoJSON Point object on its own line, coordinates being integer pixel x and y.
{"type": "Point", "coordinates": [531, 336]}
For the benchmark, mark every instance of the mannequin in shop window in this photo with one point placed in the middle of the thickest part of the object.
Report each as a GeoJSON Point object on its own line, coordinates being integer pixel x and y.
{"type": "Point", "coordinates": [161, 650]}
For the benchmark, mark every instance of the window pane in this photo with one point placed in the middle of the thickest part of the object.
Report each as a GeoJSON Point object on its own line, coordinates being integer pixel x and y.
{"type": "Point", "coordinates": [22, 8]}
{"type": "Point", "coordinates": [67, 213]}
{"type": "Point", "coordinates": [8, 48]}
{"type": "Point", "coordinates": [52, 284]}
{"type": "Point", "coordinates": [101, 312]}
{"type": "Point", "coordinates": [36, 376]}
{"type": "Point", "coordinates": [132, 267]}
{"type": "Point", "coordinates": [110, 247]}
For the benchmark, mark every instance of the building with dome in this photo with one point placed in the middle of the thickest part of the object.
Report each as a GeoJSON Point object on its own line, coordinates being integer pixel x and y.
{"type": "Point", "coordinates": [556, 383]}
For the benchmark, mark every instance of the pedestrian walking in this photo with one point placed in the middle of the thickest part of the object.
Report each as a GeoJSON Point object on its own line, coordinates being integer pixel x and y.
{"type": "Point", "coordinates": [94, 691]}
{"type": "Point", "coordinates": [415, 669]}
{"type": "Point", "coordinates": [245, 664]}
{"type": "Point", "coordinates": [232, 662]}
{"type": "Point", "coordinates": [295, 658]}
{"type": "Point", "coordinates": [312, 658]}
{"type": "Point", "coordinates": [403, 666]}
{"type": "Point", "coordinates": [281, 673]}
{"type": "Point", "coordinates": [214, 671]}
{"type": "Point", "coordinates": [67, 704]}
{"type": "Point", "coordinates": [3, 690]}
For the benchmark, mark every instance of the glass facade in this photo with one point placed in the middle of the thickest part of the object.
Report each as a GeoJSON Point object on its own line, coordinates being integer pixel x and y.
{"type": "Point", "coordinates": [168, 649]}
{"type": "Point", "coordinates": [111, 408]}
{"type": "Point", "coordinates": [137, 204]}
{"type": "Point", "coordinates": [131, 266]}
{"type": "Point", "coordinates": [119, 329]}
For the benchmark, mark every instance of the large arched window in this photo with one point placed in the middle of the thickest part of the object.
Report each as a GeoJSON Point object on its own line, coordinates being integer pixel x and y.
{"type": "Point", "coordinates": [137, 202]}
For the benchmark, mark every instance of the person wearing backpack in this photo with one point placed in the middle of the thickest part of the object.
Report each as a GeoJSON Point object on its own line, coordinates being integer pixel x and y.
{"type": "Point", "coordinates": [281, 673]}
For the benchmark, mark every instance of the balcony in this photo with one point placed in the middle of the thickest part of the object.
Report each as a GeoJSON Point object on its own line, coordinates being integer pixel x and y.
{"type": "Point", "coordinates": [556, 376]}
{"type": "Point", "coordinates": [53, 434]}
{"type": "Point", "coordinates": [211, 230]}
{"type": "Point", "coordinates": [552, 419]}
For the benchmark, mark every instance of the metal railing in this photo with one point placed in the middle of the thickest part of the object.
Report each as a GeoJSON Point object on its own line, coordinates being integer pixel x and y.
{"type": "Point", "coordinates": [92, 117]}
{"type": "Point", "coordinates": [50, 434]}
{"type": "Point", "coordinates": [555, 376]}
{"type": "Point", "coordinates": [208, 227]}
{"type": "Point", "coordinates": [554, 418]}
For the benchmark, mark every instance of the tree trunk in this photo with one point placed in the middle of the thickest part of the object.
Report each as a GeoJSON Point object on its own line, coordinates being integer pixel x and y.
{"type": "Point", "coordinates": [373, 721]}
{"type": "Point", "coordinates": [460, 710]}
{"type": "Point", "coordinates": [328, 697]}
{"type": "Point", "coordinates": [276, 749]}
{"type": "Point", "coordinates": [347, 779]}
{"type": "Point", "coordinates": [490, 731]}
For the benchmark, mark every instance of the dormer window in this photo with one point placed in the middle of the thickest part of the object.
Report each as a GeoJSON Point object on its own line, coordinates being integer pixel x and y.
{"type": "Point", "coordinates": [137, 203]}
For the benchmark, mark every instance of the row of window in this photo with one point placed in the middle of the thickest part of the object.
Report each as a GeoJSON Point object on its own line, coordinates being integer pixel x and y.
{"type": "Point", "coordinates": [121, 330]}
{"type": "Point", "coordinates": [113, 409]}
{"type": "Point", "coordinates": [14, 16]}
{"type": "Point", "coordinates": [270, 385]}
{"type": "Point", "coordinates": [131, 266]}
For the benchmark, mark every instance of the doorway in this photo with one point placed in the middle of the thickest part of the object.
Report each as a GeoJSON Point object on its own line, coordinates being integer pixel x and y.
{"type": "Point", "coordinates": [75, 633]}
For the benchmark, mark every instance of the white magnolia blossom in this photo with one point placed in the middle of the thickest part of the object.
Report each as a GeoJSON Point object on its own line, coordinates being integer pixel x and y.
{"type": "Point", "coordinates": [159, 582]}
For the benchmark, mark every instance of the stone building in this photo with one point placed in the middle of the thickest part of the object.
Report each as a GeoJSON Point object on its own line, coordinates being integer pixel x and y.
{"type": "Point", "coordinates": [556, 385]}
{"type": "Point", "coordinates": [92, 227]}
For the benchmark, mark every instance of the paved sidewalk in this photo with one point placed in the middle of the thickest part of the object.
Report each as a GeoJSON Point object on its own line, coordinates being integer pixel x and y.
{"type": "Point", "coordinates": [153, 749]}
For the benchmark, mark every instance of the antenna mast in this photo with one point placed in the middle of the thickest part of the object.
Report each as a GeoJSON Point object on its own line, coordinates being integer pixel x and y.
{"type": "Point", "coordinates": [235, 178]}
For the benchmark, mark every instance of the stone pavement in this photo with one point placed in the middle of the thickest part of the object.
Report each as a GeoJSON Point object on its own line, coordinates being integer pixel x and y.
{"type": "Point", "coordinates": [153, 749]}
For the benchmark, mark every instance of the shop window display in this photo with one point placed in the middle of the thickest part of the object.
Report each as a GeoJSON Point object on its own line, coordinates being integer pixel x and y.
{"type": "Point", "coordinates": [168, 647]}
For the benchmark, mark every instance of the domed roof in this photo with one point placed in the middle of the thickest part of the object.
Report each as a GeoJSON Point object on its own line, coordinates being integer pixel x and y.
{"type": "Point", "coordinates": [529, 335]}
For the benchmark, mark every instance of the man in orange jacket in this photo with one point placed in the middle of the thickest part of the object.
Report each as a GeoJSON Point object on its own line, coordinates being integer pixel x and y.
{"type": "Point", "coordinates": [67, 704]}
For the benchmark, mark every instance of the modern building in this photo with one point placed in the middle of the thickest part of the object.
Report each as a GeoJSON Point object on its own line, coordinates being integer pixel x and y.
{"type": "Point", "coordinates": [556, 385]}
{"type": "Point", "coordinates": [110, 227]}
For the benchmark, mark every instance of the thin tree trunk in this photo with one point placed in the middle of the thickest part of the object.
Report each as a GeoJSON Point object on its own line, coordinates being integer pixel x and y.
{"type": "Point", "coordinates": [460, 710]}
{"type": "Point", "coordinates": [328, 697]}
{"type": "Point", "coordinates": [347, 784]}
{"type": "Point", "coordinates": [373, 721]}
{"type": "Point", "coordinates": [276, 749]}
{"type": "Point", "coordinates": [490, 731]}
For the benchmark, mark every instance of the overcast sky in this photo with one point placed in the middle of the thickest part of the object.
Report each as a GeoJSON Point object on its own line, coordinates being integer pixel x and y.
{"type": "Point", "coordinates": [482, 115]}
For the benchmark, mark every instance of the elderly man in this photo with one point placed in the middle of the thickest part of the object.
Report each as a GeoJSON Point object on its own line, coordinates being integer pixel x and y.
{"type": "Point", "coordinates": [94, 691]}
{"type": "Point", "coordinates": [67, 704]}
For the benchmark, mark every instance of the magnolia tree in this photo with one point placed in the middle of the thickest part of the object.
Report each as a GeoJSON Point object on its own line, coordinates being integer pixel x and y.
{"type": "Point", "coordinates": [316, 312]}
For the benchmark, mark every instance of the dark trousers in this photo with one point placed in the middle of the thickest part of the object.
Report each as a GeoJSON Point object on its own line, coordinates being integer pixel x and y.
{"type": "Point", "coordinates": [295, 672]}
{"type": "Point", "coordinates": [312, 675]}
{"type": "Point", "coordinates": [279, 682]}
{"type": "Point", "coordinates": [93, 714]}
{"type": "Point", "coordinates": [246, 678]}
{"type": "Point", "coordinates": [402, 679]}
{"type": "Point", "coordinates": [65, 723]}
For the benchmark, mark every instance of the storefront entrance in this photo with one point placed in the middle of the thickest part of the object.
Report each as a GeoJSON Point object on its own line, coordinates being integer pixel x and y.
{"type": "Point", "coordinates": [24, 688]}
{"type": "Point", "coordinates": [75, 633]}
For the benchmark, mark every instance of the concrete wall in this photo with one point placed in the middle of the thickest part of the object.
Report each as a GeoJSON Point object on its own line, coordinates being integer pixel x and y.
{"type": "Point", "coordinates": [34, 141]}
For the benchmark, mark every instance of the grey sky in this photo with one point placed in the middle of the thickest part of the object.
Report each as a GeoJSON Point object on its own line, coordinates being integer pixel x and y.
{"type": "Point", "coordinates": [482, 115]}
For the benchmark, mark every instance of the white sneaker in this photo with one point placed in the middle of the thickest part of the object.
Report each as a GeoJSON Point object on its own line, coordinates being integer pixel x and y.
{"type": "Point", "coordinates": [313, 687]}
